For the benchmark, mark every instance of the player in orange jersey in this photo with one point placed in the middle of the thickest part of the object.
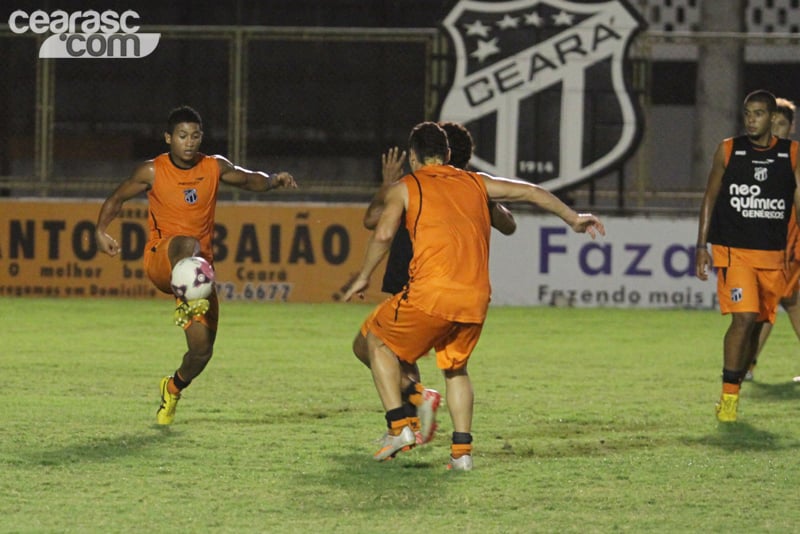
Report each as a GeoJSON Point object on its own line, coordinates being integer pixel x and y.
{"type": "Point", "coordinates": [444, 304]}
{"type": "Point", "coordinates": [181, 187]}
{"type": "Point", "coordinates": [419, 402]}
{"type": "Point", "coordinates": [751, 190]}
{"type": "Point", "coordinates": [783, 127]}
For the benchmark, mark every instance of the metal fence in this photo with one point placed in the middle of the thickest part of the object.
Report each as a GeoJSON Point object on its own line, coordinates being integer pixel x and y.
{"type": "Point", "coordinates": [322, 103]}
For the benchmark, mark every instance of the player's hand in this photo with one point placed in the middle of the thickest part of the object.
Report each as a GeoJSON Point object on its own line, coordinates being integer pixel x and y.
{"type": "Point", "coordinates": [589, 224]}
{"type": "Point", "coordinates": [283, 179]}
{"type": "Point", "coordinates": [702, 263]}
{"type": "Point", "coordinates": [358, 287]}
{"type": "Point", "coordinates": [392, 165]}
{"type": "Point", "coordinates": [106, 243]}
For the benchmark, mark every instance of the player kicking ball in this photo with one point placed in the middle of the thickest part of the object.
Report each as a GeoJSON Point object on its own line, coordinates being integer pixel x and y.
{"type": "Point", "coordinates": [181, 186]}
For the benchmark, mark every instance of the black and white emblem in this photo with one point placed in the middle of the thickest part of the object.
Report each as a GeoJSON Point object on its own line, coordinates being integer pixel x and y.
{"type": "Point", "coordinates": [541, 85]}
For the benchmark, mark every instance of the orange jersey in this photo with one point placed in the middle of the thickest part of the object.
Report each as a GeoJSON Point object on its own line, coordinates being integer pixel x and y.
{"type": "Point", "coordinates": [183, 201]}
{"type": "Point", "coordinates": [448, 220]}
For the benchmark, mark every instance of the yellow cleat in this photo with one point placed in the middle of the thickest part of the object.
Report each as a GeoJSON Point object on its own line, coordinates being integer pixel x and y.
{"type": "Point", "coordinates": [186, 310]}
{"type": "Point", "coordinates": [726, 407]}
{"type": "Point", "coordinates": [166, 412]}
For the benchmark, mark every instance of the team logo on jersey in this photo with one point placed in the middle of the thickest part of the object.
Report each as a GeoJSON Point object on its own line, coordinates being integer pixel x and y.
{"type": "Point", "coordinates": [541, 84]}
{"type": "Point", "coordinates": [736, 294]}
{"type": "Point", "coordinates": [760, 174]}
{"type": "Point", "coordinates": [190, 195]}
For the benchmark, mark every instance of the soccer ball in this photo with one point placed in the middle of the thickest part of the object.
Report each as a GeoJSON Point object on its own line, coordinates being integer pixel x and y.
{"type": "Point", "coordinates": [192, 278]}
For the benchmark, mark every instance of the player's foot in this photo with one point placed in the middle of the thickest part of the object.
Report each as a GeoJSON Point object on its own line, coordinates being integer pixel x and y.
{"type": "Point", "coordinates": [417, 438]}
{"type": "Point", "coordinates": [413, 422]}
{"type": "Point", "coordinates": [166, 412]}
{"type": "Point", "coordinates": [748, 376]}
{"type": "Point", "coordinates": [186, 310]}
{"type": "Point", "coordinates": [796, 379]}
{"type": "Point", "coordinates": [462, 463]}
{"type": "Point", "coordinates": [391, 444]}
{"type": "Point", "coordinates": [427, 413]}
{"type": "Point", "coordinates": [726, 407]}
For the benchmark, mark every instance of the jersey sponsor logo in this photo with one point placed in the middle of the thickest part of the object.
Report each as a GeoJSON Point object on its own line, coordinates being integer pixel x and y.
{"type": "Point", "coordinates": [541, 84]}
{"type": "Point", "coordinates": [190, 195]}
{"type": "Point", "coordinates": [747, 201]}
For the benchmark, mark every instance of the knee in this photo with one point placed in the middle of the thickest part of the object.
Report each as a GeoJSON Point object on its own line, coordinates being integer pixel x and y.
{"type": "Point", "coordinates": [360, 349]}
{"type": "Point", "coordinates": [182, 247]}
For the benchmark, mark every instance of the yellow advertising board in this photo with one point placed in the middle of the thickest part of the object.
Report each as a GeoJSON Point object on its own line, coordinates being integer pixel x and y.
{"type": "Point", "coordinates": [262, 251]}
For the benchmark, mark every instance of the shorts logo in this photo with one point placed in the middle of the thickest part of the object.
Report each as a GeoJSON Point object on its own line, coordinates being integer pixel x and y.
{"type": "Point", "coordinates": [190, 195]}
{"type": "Point", "coordinates": [736, 294]}
{"type": "Point", "coordinates": [543, 82]}
{"type": "Point", "coordinates": [86, 34]}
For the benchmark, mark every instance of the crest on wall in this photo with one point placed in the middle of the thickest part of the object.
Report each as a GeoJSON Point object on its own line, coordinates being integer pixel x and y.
{"type": "Point", "coordinates": [541, 85]}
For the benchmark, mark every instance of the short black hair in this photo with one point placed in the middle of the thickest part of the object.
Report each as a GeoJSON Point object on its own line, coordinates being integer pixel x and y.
{"type": "Point", "coordinates": [183, 114]}
{"type": "Point", "coordinates": [428, 140]}
{"type": "Point", "coordinates": [765, 97]}
{"type": "Point", "coordinates": [460, 141]}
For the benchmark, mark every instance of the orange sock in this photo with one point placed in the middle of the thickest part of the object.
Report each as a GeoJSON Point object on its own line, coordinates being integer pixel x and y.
{"type": "Point", "coordinates": [398, 425]}
{"type": "Point", "coordinates": [415, 398]}
{"type": "Point", "coordinates": [730, 389]}
{"type": "Point", "coordinates": [457, 450]}
{"type": "Point", "coordinates": [413, 422]}
{"type": "Point", "coordinates": [172, 388]}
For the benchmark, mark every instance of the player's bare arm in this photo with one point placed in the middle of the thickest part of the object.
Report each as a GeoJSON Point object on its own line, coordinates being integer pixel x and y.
{"type": "Point", "coordinates": [502, 218]}
{"type": "Point", "coordinates": [505, 189]}
{"type": "Point", "coordinates": [702, 255]}
{"type": "Point", "coordinates": [392, 170]}
{"type": "Point", "coordinates": [255, 181]}
{"type": "Point", "coordinates": [139, 182]}
{"type": "Point", "coordinates": [381, 239]}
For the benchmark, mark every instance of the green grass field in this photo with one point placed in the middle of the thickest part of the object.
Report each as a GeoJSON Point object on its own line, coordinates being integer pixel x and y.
{"type": "Point", "coordinates": [585, 421]}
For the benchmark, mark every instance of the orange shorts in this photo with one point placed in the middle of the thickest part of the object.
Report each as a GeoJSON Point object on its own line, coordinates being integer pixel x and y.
{"type": "Point", "coordinates": [792, 279]}
{"type": "Point", "coordinates": [410, 333]}
{"type": "Point", "coordinates": [159, 270]}
{"type": "Point", "coordinates": [742, 289]}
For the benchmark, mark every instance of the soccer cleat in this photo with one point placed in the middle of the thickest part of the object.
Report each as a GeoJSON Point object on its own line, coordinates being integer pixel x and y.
{"type": "Point", "coordinates": [404, 441]}
{"type": "Point", "coordinates": [166, 412]}
{"type": "Point", "coordinates": [413, 422]}
{"type": "Point", "coordinates": [186, 310]}
{"type": "Point", "coordinates": [417, 439]}
{"type": "Point", "coordinates": [726, 407]}
{"type": "Point", "coordinates": [427, 413]}
{"type": "Point", "coordinates": [462, 463]}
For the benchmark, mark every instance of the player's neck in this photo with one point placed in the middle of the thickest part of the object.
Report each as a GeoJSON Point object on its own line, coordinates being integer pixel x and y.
{"type": "Point", "coordinates": [764, 141]}
{"type": "Point", "coordinates": [184, 165]}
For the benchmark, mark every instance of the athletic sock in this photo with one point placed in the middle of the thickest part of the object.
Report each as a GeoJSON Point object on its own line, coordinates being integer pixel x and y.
{"type": "Point", "coordinates": [462, 444]}
{"type": "Point", "coordinates": [176, 384]}
{"type": "Point", "coordinates": [414, 393]}
{"type": "Point", "coordinates": [731, 381]}
{"type": "Point", "coordinates": [395, 420]}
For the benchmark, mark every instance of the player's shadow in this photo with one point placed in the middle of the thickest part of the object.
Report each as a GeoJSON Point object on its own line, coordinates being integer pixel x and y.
{"type": "Point", "coordinates": [740, 436]}
{"type": "Point", "coordinates": [98, 449]}
{"type": "Point", "coordinates": [781, 391]}
{"type": "Point", "coordinates": [359, 478]}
